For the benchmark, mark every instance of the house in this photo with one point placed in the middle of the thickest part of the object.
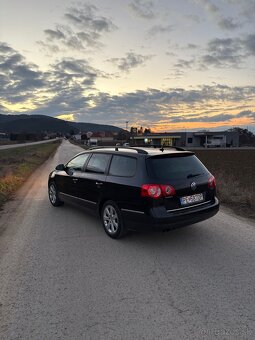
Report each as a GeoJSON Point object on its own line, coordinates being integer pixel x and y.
{"type": "Point", "coordinates": [207, 139]}
{"type": "Point", "coordinates": [166, 139]}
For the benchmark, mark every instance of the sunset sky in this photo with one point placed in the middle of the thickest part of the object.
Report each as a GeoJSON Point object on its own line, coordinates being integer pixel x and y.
{"type": "Point", "coordinates": [168, 65]}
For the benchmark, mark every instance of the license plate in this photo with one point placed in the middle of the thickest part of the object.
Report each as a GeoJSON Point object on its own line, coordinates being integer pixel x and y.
{"type": "Point", "coordinates": [192, 199]}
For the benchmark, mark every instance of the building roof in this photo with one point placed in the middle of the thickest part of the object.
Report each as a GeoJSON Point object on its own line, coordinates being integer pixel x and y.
{"type": "Point", "coordinates": [156, 136]}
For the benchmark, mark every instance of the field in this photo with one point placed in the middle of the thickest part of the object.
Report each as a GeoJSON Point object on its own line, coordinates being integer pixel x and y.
{"type": "Point", "coordinates": [18, 163]}
{"type": "Point", "coordinates": [234, 170]}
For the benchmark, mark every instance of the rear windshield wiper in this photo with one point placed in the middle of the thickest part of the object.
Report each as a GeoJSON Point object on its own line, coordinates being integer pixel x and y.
{"type": "Point", "coordinates": [193, 175]}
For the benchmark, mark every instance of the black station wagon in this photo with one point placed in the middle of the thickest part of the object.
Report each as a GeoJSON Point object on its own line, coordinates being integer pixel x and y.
{"type": "Point", "coordinates": [137, 188]}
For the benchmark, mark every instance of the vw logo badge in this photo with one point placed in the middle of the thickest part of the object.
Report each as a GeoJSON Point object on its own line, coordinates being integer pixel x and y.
{"type": "Point", "coordinates": [193, 186]}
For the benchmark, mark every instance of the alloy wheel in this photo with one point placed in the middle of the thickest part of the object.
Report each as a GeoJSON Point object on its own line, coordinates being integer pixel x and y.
{"type": "Point", "coordinates": [110, 219]}
{"type": "Point", "coordinates": [52, 193]}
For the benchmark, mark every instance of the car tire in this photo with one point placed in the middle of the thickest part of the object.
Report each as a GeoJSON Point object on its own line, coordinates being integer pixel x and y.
{"type": "Point", "coordinates": [112, 220]}
{"type": "Point", "coordinates": [53, 195]}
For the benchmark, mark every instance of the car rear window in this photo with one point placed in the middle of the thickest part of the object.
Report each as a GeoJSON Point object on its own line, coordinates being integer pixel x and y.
{"type": "Point", "coordinates": [165, 168]}
{"type": "Point", "coordinates": [122, 166]}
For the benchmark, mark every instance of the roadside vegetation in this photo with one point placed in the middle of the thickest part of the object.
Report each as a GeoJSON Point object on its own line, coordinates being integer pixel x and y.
{"type": "Point", "coordinates": [234, 170]}
{"type": "Point", "coordinates": [18, 163]}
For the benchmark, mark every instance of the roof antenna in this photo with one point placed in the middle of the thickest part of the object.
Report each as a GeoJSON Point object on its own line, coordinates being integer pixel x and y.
{"type": "Point", "coordinates": [161, 149]}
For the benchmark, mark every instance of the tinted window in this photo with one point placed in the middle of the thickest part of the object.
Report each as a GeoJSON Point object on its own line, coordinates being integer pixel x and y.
{"type": "Point", "coordinates": [167, 168]}
{"type": "Point", "coordinates": [78, 162]}
{"type": "Point", "coordinates": [98, 163]}
{"type": "Point", "coordinates": [123, 166]}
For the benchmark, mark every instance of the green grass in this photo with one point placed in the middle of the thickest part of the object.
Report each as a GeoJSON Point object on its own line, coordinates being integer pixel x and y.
{"type": "Point", "coordinates": [235, 175]}
{"type": "Point", "coordinates": [18, 163]}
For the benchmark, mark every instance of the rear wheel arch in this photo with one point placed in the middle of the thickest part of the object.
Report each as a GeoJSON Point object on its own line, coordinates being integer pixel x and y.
{"type": "Point", "coordinates": [101, 204]}
{"type": "Point", "coordinates": [108, 208]}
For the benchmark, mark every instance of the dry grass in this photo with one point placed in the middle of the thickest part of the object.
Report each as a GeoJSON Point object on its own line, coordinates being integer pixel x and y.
{"type": "Point", "coordinates": [235, 175]}
{"type": "Point", "coordinates": [18, 163]}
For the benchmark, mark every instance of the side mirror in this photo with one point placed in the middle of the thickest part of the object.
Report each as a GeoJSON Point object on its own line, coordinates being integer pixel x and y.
{"type": "Point", "coordinates": [60, 167]}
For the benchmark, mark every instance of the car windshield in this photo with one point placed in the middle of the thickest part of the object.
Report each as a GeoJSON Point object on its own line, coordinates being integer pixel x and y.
{"type": "Point", "coordinates": [165, 168]}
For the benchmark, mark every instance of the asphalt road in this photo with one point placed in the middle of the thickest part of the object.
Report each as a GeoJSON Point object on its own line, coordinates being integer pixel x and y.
{"type": "Point", "coordinates": [61, 277]}
{"type": "Point", "coordinates": [12, 146]}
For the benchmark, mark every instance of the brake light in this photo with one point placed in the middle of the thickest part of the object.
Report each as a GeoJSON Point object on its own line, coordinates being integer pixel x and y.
{"type": "Point", "coordinates": [212, 182]}
{"type": "Point", "coordinates": [157, 190]}
{"type": "Point", "coordinates": [167, 190]}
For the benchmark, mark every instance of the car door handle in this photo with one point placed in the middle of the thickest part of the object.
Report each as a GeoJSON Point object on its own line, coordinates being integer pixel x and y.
{"type": "Point", "coordinates": [75, 180]}
{"type": "Point", "coordinates": [99, 183]}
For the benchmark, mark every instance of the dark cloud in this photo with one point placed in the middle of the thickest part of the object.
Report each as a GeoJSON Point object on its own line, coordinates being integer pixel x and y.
{"type": "Point", "coordinates": [249, 44]}
{"type": "Point", "coordinates": [5, 49]}
{"type": "Point", "coordinates": [90, 39]}
{"type": "Point", "coordinates": [159, 29]}
{"type": "Point", "coordinates": [222, 53]}
{"type": "Point", "coordinates": [182, 64]}
{"type": "Point", "coordinates": [70, 70]}
{"type": "Point", "coordinates": [18, 79]}
{"type": "Point", "coordinates": [54, 34]}
{"type": "Point", "coordinates": [130, 61]}
{"type": "Point", "coordinates": [67, 81]}
{"type": "Point", "coordinates": [215, 118]}
{"type": "Point", "coordinates": [192, 46]}
{"type": "Point", "coordinates": [86, 18]}
{"type": "Point", "coordinates": [60, 89]}
{"type": "Point", "coordinates": [84, 30]}
{"type": "Point", "coordinates": [225, 23]}
{"type": "Point", "coordinates": [147, 105]}
{"type": "Point", "coordinates": [229, 52]}
{"type": "Point", "coordinates": [228, 24]}
{"type": "Point", "coordinates": [49, 47]}
{"type": "Point", "coordinates": [143, 8]}
{"type": "Point", "coordinates": [175, 74]}
{"type": "Point", "coordinates": [247, 114]}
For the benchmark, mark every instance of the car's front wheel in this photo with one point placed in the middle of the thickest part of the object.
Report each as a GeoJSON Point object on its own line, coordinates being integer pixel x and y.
{"type": "Point", "coordinates": [53, 195]}
{"type": "Point", "coordinates": [112, 220]}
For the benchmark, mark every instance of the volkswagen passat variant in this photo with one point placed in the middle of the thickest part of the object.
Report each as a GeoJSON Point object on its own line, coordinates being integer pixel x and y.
{"type": "Point", "coordinates": [137, 188]}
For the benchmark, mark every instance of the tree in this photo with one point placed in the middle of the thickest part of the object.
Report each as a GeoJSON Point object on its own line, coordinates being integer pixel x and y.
{"type": "Point", "coordinates": [140, 131]}
{"type": "Point", "coordinates": [147, 131]}
{"type": "Point", "coordinates": [246, 137]}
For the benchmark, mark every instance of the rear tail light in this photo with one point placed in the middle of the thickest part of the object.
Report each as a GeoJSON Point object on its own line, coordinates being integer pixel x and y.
{"type": "Point", "coordinates": [212, 182]}
{"type": "Point", "coordinates": [167, 190]}
{"type": "Point", "coordinates": [157, 190]}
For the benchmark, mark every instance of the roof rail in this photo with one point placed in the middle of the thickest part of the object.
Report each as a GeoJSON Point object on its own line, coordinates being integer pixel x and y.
{"type": "Point", "coordinates": [137, 149]}
{"type": "Point", "coordinates": [117, 147]}
{"type": "Point", "coordinates": [162, 147]}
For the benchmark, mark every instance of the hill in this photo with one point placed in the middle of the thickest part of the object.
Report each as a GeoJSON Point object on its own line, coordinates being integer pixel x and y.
{"type": "Point", "coordinates": [40, 123]}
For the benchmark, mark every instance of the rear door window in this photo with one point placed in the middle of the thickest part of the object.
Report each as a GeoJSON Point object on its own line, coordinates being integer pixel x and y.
{"type": "Point", "coordinates": [123, 166]}
{"type": "Point", "coordinates": [98, 163]}
{"type": "Point", "coordinates": [165, 168]}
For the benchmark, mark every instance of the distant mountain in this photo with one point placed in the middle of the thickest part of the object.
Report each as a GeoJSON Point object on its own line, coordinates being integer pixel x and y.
{"type": "Point", "coordinates": [41, 123]}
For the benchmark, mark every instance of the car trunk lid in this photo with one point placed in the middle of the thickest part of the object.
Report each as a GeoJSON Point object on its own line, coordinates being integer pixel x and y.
{"type": "Point", "coordinates": [186, 174]}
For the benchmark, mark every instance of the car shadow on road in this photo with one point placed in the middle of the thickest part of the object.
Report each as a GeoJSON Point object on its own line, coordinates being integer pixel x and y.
{"type": "Point", "coordinates": [193, 234]}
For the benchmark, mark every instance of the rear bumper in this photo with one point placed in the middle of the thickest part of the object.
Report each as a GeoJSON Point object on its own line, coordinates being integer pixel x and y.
{"type": "Point", "coordinates": [159, 219]}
